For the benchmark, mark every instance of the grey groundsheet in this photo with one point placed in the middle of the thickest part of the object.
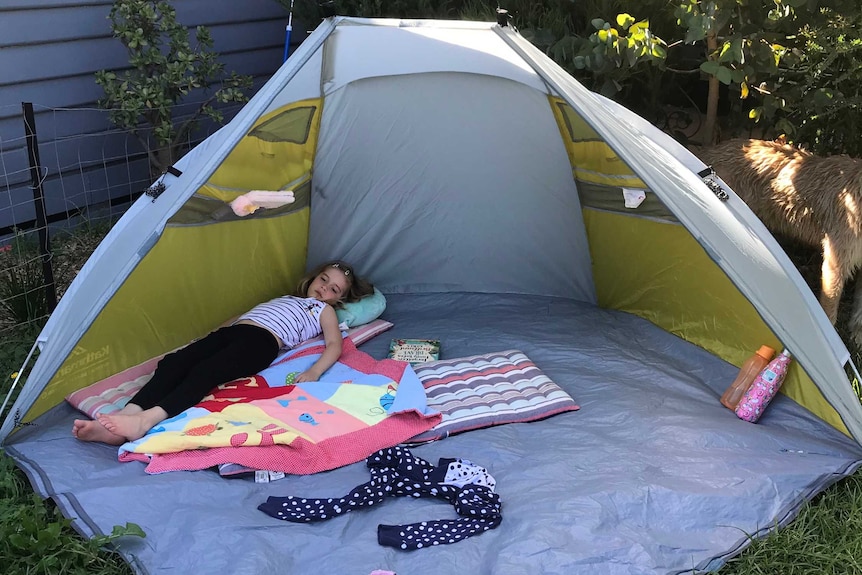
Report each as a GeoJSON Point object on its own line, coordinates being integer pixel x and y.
{"type": "Point", "coordinates": [652, 475]}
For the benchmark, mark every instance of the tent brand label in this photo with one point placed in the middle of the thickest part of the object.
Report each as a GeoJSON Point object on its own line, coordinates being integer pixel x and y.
{"type": "Point", "coordinates": [83, 360]}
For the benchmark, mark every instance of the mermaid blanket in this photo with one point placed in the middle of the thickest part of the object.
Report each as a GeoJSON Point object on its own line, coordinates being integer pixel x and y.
{"type": "Point", "coordinates": [267, 421]}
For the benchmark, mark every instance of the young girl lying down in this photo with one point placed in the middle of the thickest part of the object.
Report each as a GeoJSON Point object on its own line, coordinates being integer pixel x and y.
{"type": "Point", "coordinates": [246, 346]}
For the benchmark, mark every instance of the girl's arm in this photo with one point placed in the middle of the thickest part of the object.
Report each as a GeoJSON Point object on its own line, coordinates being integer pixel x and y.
{"type": "Point", "coordinates": [332, 338]}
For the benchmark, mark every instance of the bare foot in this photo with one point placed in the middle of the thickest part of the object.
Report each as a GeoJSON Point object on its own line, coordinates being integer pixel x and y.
{"type": "Point", "coordinates": [91, 430]}
{"type": "Point", "coordinates": [131, 427]}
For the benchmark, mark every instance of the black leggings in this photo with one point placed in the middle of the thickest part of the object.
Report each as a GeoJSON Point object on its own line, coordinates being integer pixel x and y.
{"type": "Point", "coordinates": [186, 376]}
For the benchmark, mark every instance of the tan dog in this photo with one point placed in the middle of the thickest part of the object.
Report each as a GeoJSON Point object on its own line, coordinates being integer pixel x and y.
{"type": "Point", "coordinates": [816, 200]}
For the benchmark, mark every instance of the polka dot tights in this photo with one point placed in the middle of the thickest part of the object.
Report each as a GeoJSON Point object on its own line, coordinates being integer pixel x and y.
{"type": "Point", "coordinates": [397, 472]}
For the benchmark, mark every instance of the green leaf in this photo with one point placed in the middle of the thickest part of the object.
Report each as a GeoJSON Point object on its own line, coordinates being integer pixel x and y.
{"type": "Point", "coordinates": [624, 20]}
{"type": "Point", "coordinates": [47, 539]}
{"type": "Point", "coordinates": [784, 126]}
{"type": "Point", "coordinates": [609, 88]}
{"type": "Point", "coordinates": [53, 529]}
{"type": "Point", "coordinates": [710, 67]}
{"type": "Point", "coordinates": [724, 75]}
{"type": "Point", "coordinates": [598, 60]}
{"type": "Point", "coordinates": [641, 27]}
{"type": "Point", "coordinates": [19, 541]}
{"type": "Point", "coordinates": [133, 529]}
{"type": "Point", "coordinates": [29, 525]}
{"type": "Point", "coordinates": [737, 75]}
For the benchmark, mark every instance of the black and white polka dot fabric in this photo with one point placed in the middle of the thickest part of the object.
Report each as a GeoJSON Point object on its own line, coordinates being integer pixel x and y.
{"type": "Point", "coordinates": [397, 472]}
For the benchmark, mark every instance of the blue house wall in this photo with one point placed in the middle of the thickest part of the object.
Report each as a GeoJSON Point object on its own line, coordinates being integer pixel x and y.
{"type": "Point", "coordinates": [49, 52]}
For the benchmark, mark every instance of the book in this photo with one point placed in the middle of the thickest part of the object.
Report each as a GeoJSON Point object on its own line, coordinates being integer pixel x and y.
{"type": "Point", "coordinates": [414, 350]}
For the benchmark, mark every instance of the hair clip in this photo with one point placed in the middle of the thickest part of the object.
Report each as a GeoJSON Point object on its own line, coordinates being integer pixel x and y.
{"type": "Point", "coordinates": [344, 270]}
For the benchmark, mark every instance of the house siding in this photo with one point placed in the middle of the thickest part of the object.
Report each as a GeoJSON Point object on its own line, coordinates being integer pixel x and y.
{"type": "Point", "coordinates": [49, 53]}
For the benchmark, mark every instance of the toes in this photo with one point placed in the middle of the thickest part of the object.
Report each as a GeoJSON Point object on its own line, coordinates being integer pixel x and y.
{"type": "Point", "coordinates": [77, 426]}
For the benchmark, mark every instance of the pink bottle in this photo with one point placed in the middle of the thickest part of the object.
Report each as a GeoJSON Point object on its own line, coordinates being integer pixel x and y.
{"type": "Point", "coordinates": [763, 388]}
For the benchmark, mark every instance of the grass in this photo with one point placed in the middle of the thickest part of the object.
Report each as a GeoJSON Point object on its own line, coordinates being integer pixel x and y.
{"type": "Point", "coordinates": [824, 539]}
{"type": "Point", "coordinates": [34, 536]}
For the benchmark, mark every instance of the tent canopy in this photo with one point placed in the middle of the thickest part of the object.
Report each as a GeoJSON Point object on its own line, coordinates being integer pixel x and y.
{"type": "Point", "coordinates": [439, 157]}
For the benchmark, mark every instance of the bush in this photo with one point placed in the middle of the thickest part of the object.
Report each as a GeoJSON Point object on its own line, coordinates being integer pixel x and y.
{"type": "Point", "coordinates": [165, 68]}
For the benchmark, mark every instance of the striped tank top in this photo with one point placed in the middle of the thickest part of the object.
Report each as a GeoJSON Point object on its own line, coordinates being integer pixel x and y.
{"type": "Point", "coordinates": [293, 319]}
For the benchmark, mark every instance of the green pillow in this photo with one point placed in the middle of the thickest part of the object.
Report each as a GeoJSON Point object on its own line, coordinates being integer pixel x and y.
{"type": "Point", "coordinates": [363, 311]}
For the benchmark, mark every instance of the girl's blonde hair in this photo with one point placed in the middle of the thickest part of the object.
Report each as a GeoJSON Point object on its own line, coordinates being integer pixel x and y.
{"type": "Point", "coordinates": [357, 288]}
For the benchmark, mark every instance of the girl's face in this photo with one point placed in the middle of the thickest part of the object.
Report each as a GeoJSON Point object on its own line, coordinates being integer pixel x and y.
{"type": "Point", "coordinates": [330, 286]}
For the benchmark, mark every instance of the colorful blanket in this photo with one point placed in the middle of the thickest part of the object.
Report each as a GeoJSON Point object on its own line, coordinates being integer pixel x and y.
{"type": "Point", "coordinates": [268, 422]}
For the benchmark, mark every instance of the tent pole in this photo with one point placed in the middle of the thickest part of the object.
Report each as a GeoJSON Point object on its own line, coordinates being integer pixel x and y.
{"type": "Point", "coordinates": [287, 30]}
{"type": "Point", "coordinates": [18, 377]}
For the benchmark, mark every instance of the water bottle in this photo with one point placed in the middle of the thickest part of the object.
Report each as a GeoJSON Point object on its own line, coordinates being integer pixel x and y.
{"type": "Point", "coordinates": [749, 370]}
{"type": "Point", "coordinates": [763, 388]}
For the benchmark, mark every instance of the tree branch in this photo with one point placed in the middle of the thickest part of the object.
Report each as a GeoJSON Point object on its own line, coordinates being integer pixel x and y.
{"type": "Point", "coordinates": [187, 124]}
{"type": "Point", "coordinates": [145, 144]}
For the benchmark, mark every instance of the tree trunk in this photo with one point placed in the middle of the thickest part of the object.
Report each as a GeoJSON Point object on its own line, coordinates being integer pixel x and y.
{"type": "Point", "coordinates": [712, 96]}
{"type": "Point", "coordinates": [164, 159]}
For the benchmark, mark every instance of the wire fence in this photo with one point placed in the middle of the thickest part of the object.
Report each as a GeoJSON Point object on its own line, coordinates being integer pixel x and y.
{"type": "Point", "coordinates": [63, 183]}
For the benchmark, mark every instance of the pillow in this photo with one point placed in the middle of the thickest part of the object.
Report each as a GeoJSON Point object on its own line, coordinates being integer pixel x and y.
{"type": "Point", "coordinates": [359, 334]}
{"type": "Point", "coordinates": [364, 332]}
{"type": "Point", "coordinates": [114, 392]}
{"type": "Point", "coordinates": [363, 311]}
{"type": "Point", "coordinates": [487, 390]}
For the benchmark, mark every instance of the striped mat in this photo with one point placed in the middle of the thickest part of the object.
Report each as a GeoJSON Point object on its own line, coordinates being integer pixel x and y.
{"type": "Point", "coordinates": [486, 390]}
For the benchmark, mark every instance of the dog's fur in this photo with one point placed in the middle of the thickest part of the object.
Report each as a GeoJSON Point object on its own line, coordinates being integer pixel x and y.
{"type": "Point", "coordinates": [816, 200]}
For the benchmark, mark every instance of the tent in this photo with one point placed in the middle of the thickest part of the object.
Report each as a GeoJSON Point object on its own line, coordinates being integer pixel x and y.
{"type": "Point", "coordinates": [454, 162]}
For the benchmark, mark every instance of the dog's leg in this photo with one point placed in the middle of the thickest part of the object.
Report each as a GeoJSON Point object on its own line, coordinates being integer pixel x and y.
{"type": "Point", "coordinates": [854, 324]}
{"type": "Point", "coordinates": [832, 277]}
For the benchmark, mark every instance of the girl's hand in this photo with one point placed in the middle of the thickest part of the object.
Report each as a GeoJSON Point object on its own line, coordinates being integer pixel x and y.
{"type": "Point", "coordinates": [307, 375]}
{"type": "Point", "coordinates": [332, 339]}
